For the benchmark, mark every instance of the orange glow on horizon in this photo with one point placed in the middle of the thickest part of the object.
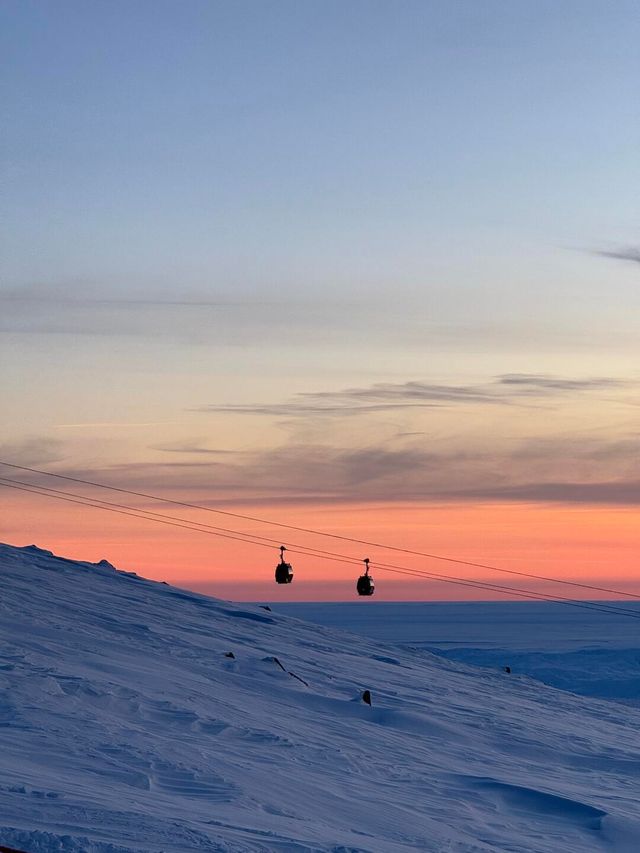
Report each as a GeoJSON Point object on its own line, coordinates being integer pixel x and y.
{"type": "Point", "coordinates": [591, 544]}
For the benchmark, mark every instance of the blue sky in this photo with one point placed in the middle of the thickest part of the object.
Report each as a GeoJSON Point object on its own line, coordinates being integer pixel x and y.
{"type": "Point", "coordinates": [217, 205]}
{"type": "Point", "coordinates": [313, 148]}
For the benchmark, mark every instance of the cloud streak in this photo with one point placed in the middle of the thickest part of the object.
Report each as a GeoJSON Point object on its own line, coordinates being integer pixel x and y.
{"type": "Point", "coordinates": [220, 314]}
{"type": "Point", "coordinates": [554, 470]}
{"type": "Point", "coordinates": [537, 384]}
{"type": "Point", "coordinates": [624, 253]}
{"type": "Point", "coordinates": [37, 450]}
{"type": "Point", "coordinates": [506, 389]}
{"type": "Point", "coordinates": [192, 448]}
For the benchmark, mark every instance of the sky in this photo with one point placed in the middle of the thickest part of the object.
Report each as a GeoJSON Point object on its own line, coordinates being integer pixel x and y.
{"type": "Point", "coordinates": [370, 268]}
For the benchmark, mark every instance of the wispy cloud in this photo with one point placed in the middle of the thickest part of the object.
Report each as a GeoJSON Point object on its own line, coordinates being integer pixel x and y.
{"type": "Point", "coordinates": [216, 314]}
{"type": "Point", "coordinates": [88, 310]}
{"type": "Point", "coordinates": [556, 469]}
{"type": "Point", "coordinates": [623, 253]}
{"type": "Point", "coordinates": [382, 397]}
{"type": "Point", "coordinates": [539, 385]}
{"type": "Point", "coordinates": [468, 459]}
{"type": "Point", "coordinates": [192, 447]}
{"type": "Point", "coordinates": [113, 425]}
{"type": "Point", "coordinates": [553, 470]}
{"type": "Point", "coordinates": [619, 492]}
{"type": "Point", "coordinates": [36, 450]}
{"type": "Point", "coordinates": [53, 299]}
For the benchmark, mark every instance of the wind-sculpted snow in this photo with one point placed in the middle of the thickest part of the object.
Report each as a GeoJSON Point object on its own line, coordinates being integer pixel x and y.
{"type": "Point", "coordinates": [138, 717]}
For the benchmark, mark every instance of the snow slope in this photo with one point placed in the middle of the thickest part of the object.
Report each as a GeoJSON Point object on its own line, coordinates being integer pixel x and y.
{"type": "Point", "coordinates": [125, 727]}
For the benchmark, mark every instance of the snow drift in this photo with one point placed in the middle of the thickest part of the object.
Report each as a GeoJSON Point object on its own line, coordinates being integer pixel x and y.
{"type": "Point", "coordinates": [135, 716]}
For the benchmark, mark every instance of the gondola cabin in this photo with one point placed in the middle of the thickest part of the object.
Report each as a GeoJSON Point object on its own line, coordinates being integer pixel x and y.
{"type": "Point", "coordinates": [284, 572]}
{"type": "Point", "coordinates": [365, 584]}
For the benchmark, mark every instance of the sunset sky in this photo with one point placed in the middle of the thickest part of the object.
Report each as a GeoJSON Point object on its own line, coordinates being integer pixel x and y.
{"type": "Point", "coordinates": [370, 268]}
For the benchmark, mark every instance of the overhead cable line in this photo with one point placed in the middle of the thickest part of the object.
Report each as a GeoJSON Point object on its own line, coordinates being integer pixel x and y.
{"type": "Point", "coordinates": [172, 521]}
{"type": "Point", "coordinates": [472, 564]}
{"type": "Point", "coordinates": [304, 551]}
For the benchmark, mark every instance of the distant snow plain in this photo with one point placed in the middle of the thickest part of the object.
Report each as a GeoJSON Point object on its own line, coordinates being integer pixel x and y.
{"type": "Point", "coordinates": [139, 718]}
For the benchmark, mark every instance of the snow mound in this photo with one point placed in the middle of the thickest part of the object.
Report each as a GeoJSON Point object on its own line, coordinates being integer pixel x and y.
{"type": "Point", "coordinates": [135, 716]}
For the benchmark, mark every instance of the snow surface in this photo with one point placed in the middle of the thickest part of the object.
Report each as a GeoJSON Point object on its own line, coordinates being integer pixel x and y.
{"type": "Point", "coordinates": [125, 727]}
{"type": "Point", "coordinates": [585, 651]}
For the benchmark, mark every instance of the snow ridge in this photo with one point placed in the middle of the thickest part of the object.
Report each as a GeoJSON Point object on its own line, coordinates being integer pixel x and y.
{"type": "Point", "coordinates": [135, 716]}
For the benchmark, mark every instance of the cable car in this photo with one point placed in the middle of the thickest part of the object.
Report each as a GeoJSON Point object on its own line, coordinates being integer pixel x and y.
{"type": "Point", "coordinates": [365, 585]}
{"type": "Point", "coordinates": [284, 572]}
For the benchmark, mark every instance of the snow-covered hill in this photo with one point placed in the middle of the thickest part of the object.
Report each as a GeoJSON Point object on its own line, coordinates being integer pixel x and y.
{"type": "Point", "coordinates": [126, 725]}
